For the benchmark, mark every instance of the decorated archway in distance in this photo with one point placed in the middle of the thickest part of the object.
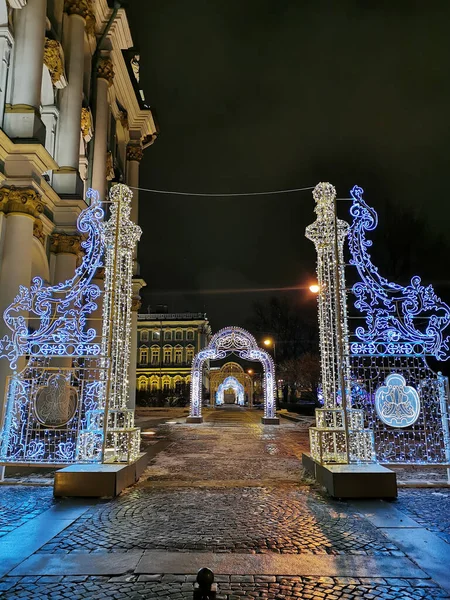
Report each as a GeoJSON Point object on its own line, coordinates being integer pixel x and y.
{"type": "Point", "coordinates": [230, 383]}
{"type": "Point", "coordinates": [240, 342]}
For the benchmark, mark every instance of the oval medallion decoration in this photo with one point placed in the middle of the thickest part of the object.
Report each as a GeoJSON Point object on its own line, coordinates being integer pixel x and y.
{"type": "Point", "coordinates": [56, 403]}
{"type": "Point", "coordinates": [397, 404]}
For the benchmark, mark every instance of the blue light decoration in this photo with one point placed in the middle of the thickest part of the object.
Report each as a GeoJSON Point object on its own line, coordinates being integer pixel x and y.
{"type": "Point", "coordinates": [230, 383]}
{"type": "Point", "coordinates": [397, 404]}
{"type": "Point", "coordinates": [238, 341]}
{"type": "Point", "coordinates": [405, 403]}
{"type": "Point", "coordinates": [394, 313]}
{"type": "Point", "coordinates": [47, 403]}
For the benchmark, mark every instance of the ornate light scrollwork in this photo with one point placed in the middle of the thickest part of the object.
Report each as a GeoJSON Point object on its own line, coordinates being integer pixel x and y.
{"type": "Point", "coordinates": [408, 319]}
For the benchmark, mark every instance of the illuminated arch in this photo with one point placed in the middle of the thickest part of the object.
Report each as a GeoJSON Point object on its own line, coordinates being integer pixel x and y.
{"type": "Point", "coordinates": [233, 384]}
{"type": "Point", "coordinates": [241, 342]}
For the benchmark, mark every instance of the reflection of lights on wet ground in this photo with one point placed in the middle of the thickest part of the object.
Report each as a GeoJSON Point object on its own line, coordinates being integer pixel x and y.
{"type": "Point", "coordinates": [148, 432]}
{"type": "Point", "coordinates": [171, 422]}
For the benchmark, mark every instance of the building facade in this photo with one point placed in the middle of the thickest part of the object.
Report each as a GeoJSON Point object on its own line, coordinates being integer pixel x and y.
{"type": "Point", "coordinates": [218, 375]}
{"type": "Point", "coordinates": [167, 344]}
{"type": "Point", "coordinates": [72, 116]}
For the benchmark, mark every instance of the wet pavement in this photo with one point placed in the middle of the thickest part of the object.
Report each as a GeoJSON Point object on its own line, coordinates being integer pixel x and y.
{"type": "Point", "coordinates": [234, 488]}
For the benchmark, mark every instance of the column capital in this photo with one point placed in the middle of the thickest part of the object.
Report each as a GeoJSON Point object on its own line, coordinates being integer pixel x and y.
{"type": "Point", "coordinates": [64, 243]}
{"type": "Point", "coordinates": [87, 128]}
{"type": "Point", "coordinates": [136, 303]}
{"type": "Point", "coordinates": [105, 70]}
{"type": "Point", "coordinates": [21, 200]}
{"type": "Point", "coordinates": [83, 8]}
{"type": "Point", "coordinates": [53, 60]}
{"type": "Point", "coordinates": [135, 152]}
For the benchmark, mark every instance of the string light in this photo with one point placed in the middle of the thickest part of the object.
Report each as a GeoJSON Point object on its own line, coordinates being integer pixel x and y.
{"type": "Point", "coordinates": [241, 342]}
{"type": "Point", "coordinates": [339, 435]}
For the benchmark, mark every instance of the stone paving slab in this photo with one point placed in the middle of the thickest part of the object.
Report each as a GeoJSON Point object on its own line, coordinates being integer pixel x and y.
{"type": "Point", "coordinates": [251, 564]}
{"type": "Point", "coordinates": [79, 564]}
{"type": "Point", "coordinates": [383, 514]}
{"type": "Point", "coordinates": [19, 544]}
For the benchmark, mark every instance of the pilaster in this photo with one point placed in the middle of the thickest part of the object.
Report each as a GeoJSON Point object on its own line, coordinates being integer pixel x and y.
{"type": "Point", "coordinates": [105, 77]}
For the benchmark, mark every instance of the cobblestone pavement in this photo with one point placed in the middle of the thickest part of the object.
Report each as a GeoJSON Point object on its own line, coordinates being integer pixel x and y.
{"type": "Point", "coordinates": [220, 487]}
{"type": "Point", "coordinates": [429, 507]}
{"type": "Point", "coordinates": [234, 587]}
{"type": "Point", "coordinates": [19, 504]}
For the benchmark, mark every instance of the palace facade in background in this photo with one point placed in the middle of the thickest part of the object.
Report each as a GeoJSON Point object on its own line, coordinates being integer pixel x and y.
{"type": "Point", "coordinates": [72, 116]}
{"type": "Point", "coordinates": [167, 344]}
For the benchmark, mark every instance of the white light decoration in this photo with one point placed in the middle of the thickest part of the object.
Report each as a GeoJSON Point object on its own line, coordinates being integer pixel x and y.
{"type": "Point", "coordinates": [227, 341]}
{"type": "Point", "coordinates": [339, 435]}
{"type": "Point", "coordinates": [230, 383]}
{"type": "Point", "coordinates": [110, 431]}
{"type": "Point", "coordinates": [405, 402]}
{"type": "Point", "coordinates": [46, 404]}
{"type": "Point", "coordinates": [60, 415]}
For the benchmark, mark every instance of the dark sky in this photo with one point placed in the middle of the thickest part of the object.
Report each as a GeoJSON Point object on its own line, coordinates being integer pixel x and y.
{"type": "Point", "coordinates": [256, 95]}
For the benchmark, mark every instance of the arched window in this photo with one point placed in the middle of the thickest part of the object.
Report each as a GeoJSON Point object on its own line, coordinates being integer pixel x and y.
{"type": "Point", "coordinates": [190, 334]}
{"type": "Point", "coordinates": [187, 380]}
{"type": "Point", "coordinates": [178, 355]}
{"type": "Point", "coordinates": [189, 354]}
{"type": "Point", "coordinates": [142, 384]}
{"type": "Point", "coordinates": [178, 384]}
{"type": "Point", "coordinates": [144, 336]}
{"type": "Point", "coordinates": [167, 355]}
{"type": "Point", "coordinates": [166, 383]}
{"type": "Point", "coordinates": [154, 384]}
{"type": "Point", "coordinates": [156, 335]}
{"type": "Point", "coordinates": [167, 335]}
{"type": "Point", "coordinates": [143, 355]}
{"type": "Point", "coordinates": [179, 334]}
{"type": "Point", "coordinates": [155, 355]}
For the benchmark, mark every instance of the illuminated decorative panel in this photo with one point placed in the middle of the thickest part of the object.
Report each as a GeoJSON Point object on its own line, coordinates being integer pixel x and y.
{"type": "Point", "coordinates": [230, 383]}
{"type": "Point", "coordinates": [397, 404]}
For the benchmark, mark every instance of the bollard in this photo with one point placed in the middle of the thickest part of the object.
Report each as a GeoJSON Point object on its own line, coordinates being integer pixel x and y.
{"type": "Point", "coordinates": [205, 588]}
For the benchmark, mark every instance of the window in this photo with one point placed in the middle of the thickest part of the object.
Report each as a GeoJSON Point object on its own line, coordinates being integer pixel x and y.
{"type": "Point", "coordinates": [178, 356]}
{"type": "Point", "coordinates": [156, 335]}
{"type": "Point", "coordinates": [167, 335]}
{"type": "Point", "coordinates": [178, 334]}
{"type": "Point", "coordinates": [189, 354]}
{"type": "Point", "coordinates": [154, 384]}
{"type": "Point", "coordinates": [178, 385]}
{"type": "Point", "coordinates": [143, 356]}
{"type": "Point", "coordinates": [166, 384]}
{"type": "Point", "coordinates": [190, 334]}
{"type": "Point", "coordinates": [144, 336]}
{"type": "Point", "coordinates": [167, 355]}
{"type": "Point", "coordinates": [142, 385]}
{"type": "Point", "coordinates": [155, 355]}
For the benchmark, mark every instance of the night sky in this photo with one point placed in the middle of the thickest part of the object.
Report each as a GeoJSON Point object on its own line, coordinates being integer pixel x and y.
{"type": "Point", "coordinates": [255, 95]}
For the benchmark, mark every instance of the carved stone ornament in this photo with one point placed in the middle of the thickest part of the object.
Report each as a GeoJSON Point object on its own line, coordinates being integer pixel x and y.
{"type": "Point", "coordinates": [53, 60]}
{"type": "Point", "coordinates": [109, 167]}
{"type": "Point", "coordinates": [38, 231]}
{"type": "Point", "coordinates": [78, 7]}
{"type": "Point", "coordinates": [86, 124]}
{"type": "Point", "coordinates": [123, 118]}
{"type": "Point", "coordinates": [135, 152]}
{"type": "Point", "coordinates": [65, 243]}
{"type": "Point", "coordinates": [21, 200]}
{"type": "Point", "coordinates": [105, 70]}
{"type": "Point", "coordinates": [136, 303]}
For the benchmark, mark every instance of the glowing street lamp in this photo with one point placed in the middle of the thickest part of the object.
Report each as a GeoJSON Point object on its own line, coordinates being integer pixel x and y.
{"type": "Point", "coordinates": [314, 288]}
{"type": "Point", "coordinates": [268, 342]}
{"type": "Point", "coordinates": [250, 371]}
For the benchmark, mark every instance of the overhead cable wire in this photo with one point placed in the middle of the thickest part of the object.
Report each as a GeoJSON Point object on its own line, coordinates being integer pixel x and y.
{"type": "Point", "coordinates": [215, 195]}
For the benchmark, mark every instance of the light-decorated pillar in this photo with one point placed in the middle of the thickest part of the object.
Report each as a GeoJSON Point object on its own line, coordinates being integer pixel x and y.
{"type": "Point", "coordinates": [135, 153]}
{"type": "Point", "coordinates": [339, 435]}
{"type": "Point", "coordinates": [67, 179]}
{"type": "Point", "coordinates": [22, 207]}
{"type": "Point", "coordinates": [105, 77]}
{"type": "Point", "coordinates": [22, 118]}
{"type": "Point", "coordinates": [138, 284]}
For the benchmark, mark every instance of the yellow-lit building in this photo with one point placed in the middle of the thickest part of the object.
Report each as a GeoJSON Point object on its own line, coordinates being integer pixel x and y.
{"type": "Point", "coordinates": [167, 344]}
{"type": "Point", "coordinates": [218, 375]}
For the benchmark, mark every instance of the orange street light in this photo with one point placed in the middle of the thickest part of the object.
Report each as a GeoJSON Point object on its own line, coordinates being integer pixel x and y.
{"type": "Point", "coordinates": [315, 288]}
{"type": "Point", "coordinates": [250, 371]}
{"type": "Point", "coordinates": [268, 342]}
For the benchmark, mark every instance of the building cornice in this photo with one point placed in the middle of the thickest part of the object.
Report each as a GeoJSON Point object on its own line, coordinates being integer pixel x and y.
{"type": "Point", "coordinates": [34, 154]}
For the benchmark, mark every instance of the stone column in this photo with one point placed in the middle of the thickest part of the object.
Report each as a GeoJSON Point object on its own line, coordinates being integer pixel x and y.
{"type": "Point", "coordinates": [135, 153]}
{"type": "Point", "coordinates": [67, 250]}
{"type": "Point", "coordinates": [22, 117]}
{"type": "Point", "coordinates": [105, 77]}
{"type": "Point", "coordinates": [6, 41]}
{"type": "Point", "coordinates": [67, 179]}
{"type": "Point", "coordinates": [22, 207]}
{"type": "Point", "coordinates": [137, 285]}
